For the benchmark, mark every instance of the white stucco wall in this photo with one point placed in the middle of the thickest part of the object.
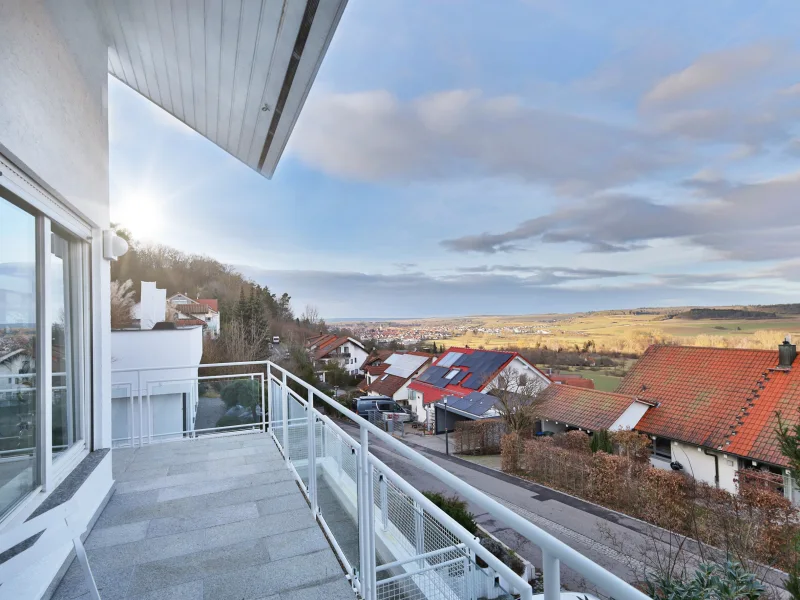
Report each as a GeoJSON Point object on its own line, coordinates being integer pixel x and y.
{"type": "Point", "coordinates": [53, 105]}
{"type": "Point", "coordinates": [168, 388]}
{"type": "Point", "coordinates": [520, 366]}
{"type": "Point", "coordinates": [153, 305]}
{"type": "Point", "coordinates": [700, 465]}
{"type": "Point", "coordinates": [553, 426]}
{"type": "Point", "coordinates": [630, 417]}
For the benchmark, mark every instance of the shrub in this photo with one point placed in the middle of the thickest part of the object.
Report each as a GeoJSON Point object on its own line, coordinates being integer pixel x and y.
{"type": "Point", "coordinates": [601, 442]}
{"type": "Point", "coordinates": [511, 447]}
{"type": "Point", "coordinates": [576, 441]}
{"type": "Point", "coordinates": [455, 508]}
{"type": "Point", "coordinates": [508, 557]}
{"type": "Point", "coordinates": [720, 582]}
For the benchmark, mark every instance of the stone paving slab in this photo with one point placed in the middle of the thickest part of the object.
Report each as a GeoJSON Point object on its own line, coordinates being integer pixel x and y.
{"type": "Point", "coordinates": [214, 518]}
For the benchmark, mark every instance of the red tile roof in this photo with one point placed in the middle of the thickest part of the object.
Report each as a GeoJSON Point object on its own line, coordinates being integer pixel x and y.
{"type": "Point", "coordinates": [753, 435]}
{"type": "Point", "coordinates": [575, 380]}
{"type": "Point", "coordinates": [386, 385]}
{"type": "Point", "coordinates": [581, 407]}
{"type": "Point", "coordinates": [189, 322]}
{"type": "Point", "coordinates": [376, 369]}
{"type": "Point", "coordinates": [210, 303]}
{"type": "Point", "coordinates": [700, 391]}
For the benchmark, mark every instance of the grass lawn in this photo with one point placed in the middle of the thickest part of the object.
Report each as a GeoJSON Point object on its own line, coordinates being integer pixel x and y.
{"type": "Point", "coordinates": [492, 461]}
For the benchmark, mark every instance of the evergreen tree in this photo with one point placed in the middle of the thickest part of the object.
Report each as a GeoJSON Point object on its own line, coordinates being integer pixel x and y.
{"type": "Point", "coordinates": [601, 442]}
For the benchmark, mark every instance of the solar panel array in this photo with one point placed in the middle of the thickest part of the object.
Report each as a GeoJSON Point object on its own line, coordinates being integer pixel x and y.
{"type": "Point", "coordinates": [480, 366]}
{"type": "Point", "coordinates": [476, 403]}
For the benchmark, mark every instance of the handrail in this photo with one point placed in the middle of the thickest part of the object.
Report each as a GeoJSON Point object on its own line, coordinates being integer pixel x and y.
{"type": "Point", "coordinates": [554, 551]}
{"type": "Point", "coordinates": [551, 546]}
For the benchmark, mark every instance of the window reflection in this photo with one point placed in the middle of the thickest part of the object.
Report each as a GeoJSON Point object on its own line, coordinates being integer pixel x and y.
{"type": "Point", "coordinates": [18, 467]}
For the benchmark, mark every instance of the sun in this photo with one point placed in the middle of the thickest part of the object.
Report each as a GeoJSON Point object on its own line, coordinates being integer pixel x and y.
{"type": "Point", "coordinates": [139, 212]}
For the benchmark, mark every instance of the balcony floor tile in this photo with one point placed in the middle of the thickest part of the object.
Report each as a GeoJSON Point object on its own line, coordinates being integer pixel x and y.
{"type": "Point", "coordinates": [219, 517]}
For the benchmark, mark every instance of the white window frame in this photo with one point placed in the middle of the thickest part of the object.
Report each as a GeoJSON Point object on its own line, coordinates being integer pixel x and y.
{"type": "Point", "coordinates": [22, 191]}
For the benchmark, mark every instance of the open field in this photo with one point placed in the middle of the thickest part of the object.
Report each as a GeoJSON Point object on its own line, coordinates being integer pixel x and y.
{"type": "Point", "coordinates": [621, 331]}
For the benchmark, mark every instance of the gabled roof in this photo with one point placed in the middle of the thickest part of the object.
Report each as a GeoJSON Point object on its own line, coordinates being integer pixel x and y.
{"type": "Point", "coordinates": [699, 391]}
{"type": "Point", "coordinates": [387, 385]}
{"type": "Point", "coordinates": [581, 407]}
{"type": "Point", "coordinates": [326, 345]}
{"type": "Point", "coordinates": [211, 303]}
{"type": "Point", "coordinates": [461, 371]}
{"type": "Point", "coordinates": [396, 372]}
{"type": "Point", "coordinates": [376, 369]}
{"type": "Point", "coordinates": [191, 309]}
{"type": "Point", "coordinates": [189, 322]}
{"type": "Point", "coordinates": [753, 434]}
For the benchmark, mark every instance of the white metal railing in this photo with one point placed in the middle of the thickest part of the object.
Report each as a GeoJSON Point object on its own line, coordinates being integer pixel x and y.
{"type": "Point", "coordinates": [393, 541]}
{"type": "Point", "coordinates": [179, 396]}
{"type": "Point", "coordinates": [400, 544]}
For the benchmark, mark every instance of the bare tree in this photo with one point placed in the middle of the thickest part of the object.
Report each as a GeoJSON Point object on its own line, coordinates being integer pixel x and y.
{"type": "Point", "coordinates": [517, 393]}
{"type": "Point", "coordinates": [310, 315]}
{"type": "Point", "coordinates": [122, 301]}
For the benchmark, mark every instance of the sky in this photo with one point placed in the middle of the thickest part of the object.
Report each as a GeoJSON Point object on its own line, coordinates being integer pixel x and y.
{"type": "Point", "coordinates": [462, 157]}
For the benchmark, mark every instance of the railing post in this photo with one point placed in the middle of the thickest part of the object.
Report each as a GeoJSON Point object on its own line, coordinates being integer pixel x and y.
{"type": "Point", "coordinates": [384, 502]}
{"type": "Point", "coordinates": [141, 408]}
{"type": "Point", "coordinates": [285, 415]}
{"type": "Point", "coordinates": [419, 531]}
{"type": "Point", "coordinates": [551, 574]}
{"type": "Point", "coordinates": [268, 414]}
{"type": "Point", "coordinates": [366, 525]}
{"type": "Point", "coordinates": [264, 402]}
{"type": "Point", "coordinates": [312, 453]}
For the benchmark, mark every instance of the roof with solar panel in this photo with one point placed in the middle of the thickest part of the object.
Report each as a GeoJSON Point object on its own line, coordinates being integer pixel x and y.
{"type": "Point", "coordinates": [461, 371]}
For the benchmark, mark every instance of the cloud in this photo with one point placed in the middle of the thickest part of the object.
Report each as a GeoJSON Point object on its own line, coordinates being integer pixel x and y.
{"type": "Point", "coordinates": [711, 72]}
{"type": "Point", "coordinates": [751, 222]}
{"type": "Point", "coordinates": [374, 135]}
{"type": "Point", "coordinates": [547, 275]}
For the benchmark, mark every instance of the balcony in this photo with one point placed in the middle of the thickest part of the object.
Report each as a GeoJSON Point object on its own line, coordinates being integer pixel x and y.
{"type": "Point", "coordinates": [291, 505]}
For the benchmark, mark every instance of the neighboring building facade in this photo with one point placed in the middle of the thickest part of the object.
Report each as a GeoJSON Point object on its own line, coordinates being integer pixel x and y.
{"type": "Point", "coordinates": [400, 369]}
{"type": "Point", "coordinates": [347, 351]}
{"type": "Point", "coordinates": [461, 371]}
{"type": "Point", "coordinates": [169, 397]}
{"type": "Point", "coordinates": [185, 311]}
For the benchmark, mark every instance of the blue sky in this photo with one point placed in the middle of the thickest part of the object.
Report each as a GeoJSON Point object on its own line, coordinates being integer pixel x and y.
{"type": "Point", "coordinates": [473, 157]}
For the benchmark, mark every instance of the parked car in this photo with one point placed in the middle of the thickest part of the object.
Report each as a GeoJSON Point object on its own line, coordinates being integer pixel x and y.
{"type": "Point", "coordinates": [388, 408]}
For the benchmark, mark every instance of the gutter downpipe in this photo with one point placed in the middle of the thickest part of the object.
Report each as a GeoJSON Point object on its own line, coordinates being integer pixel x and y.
{"type": "Point", "coordinates": [716, 465]}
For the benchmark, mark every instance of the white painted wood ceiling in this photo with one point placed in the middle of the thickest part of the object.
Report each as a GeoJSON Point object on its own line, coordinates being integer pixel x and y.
{"type": "Point", "coordinates": [236, 71]}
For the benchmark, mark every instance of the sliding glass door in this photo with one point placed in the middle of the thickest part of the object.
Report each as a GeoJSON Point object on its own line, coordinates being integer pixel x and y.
{"type": "Point", "coordinates": [19, 403]}
{"type": "Point", "coordinates": [44, 309]}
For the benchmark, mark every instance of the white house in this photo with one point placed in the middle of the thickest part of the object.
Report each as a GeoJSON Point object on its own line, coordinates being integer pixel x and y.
{"type": "Point", "coordinates": [347, 351]}
{"type": "Point", "coordinates": [185, 311]}
{"type": "Point", "coordinates": [401, 370]}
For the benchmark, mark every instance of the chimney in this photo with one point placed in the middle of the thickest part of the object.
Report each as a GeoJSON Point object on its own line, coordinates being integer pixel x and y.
{"type": "Point", "coordinates": [787, 352]}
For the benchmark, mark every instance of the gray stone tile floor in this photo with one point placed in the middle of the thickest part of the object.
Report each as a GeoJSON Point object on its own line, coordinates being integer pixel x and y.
{"type": "Point", "coordinates": [215, 519]}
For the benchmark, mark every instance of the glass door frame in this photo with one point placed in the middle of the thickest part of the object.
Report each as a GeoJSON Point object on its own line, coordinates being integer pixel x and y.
{"type": "Point", "coordinates": [19, 190]}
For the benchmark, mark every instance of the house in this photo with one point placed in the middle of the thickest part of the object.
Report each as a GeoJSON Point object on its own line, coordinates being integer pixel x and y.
{"type": "Point", "coordinates": [562, 408]}
{"type": "Point", "coordinates": [710, 412]}
{"type": "Point", "coordinates": [375, 364]}
{"type": "Point", "coordinates": [399, 370]}
{"type": "Point", "coordinates": [475, 406]}
{"type": "Point", "coordinates": [461, 371]}
{"type": "Point", "coordinates": [715, 408]}
{"type": "Point", "coordinates": [185, 311]}
{"type": "Point", "coordinates": [347, 351]}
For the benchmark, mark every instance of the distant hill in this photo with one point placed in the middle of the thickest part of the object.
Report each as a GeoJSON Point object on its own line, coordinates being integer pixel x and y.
{"type": "Point", "coordinates": [730, 314]}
